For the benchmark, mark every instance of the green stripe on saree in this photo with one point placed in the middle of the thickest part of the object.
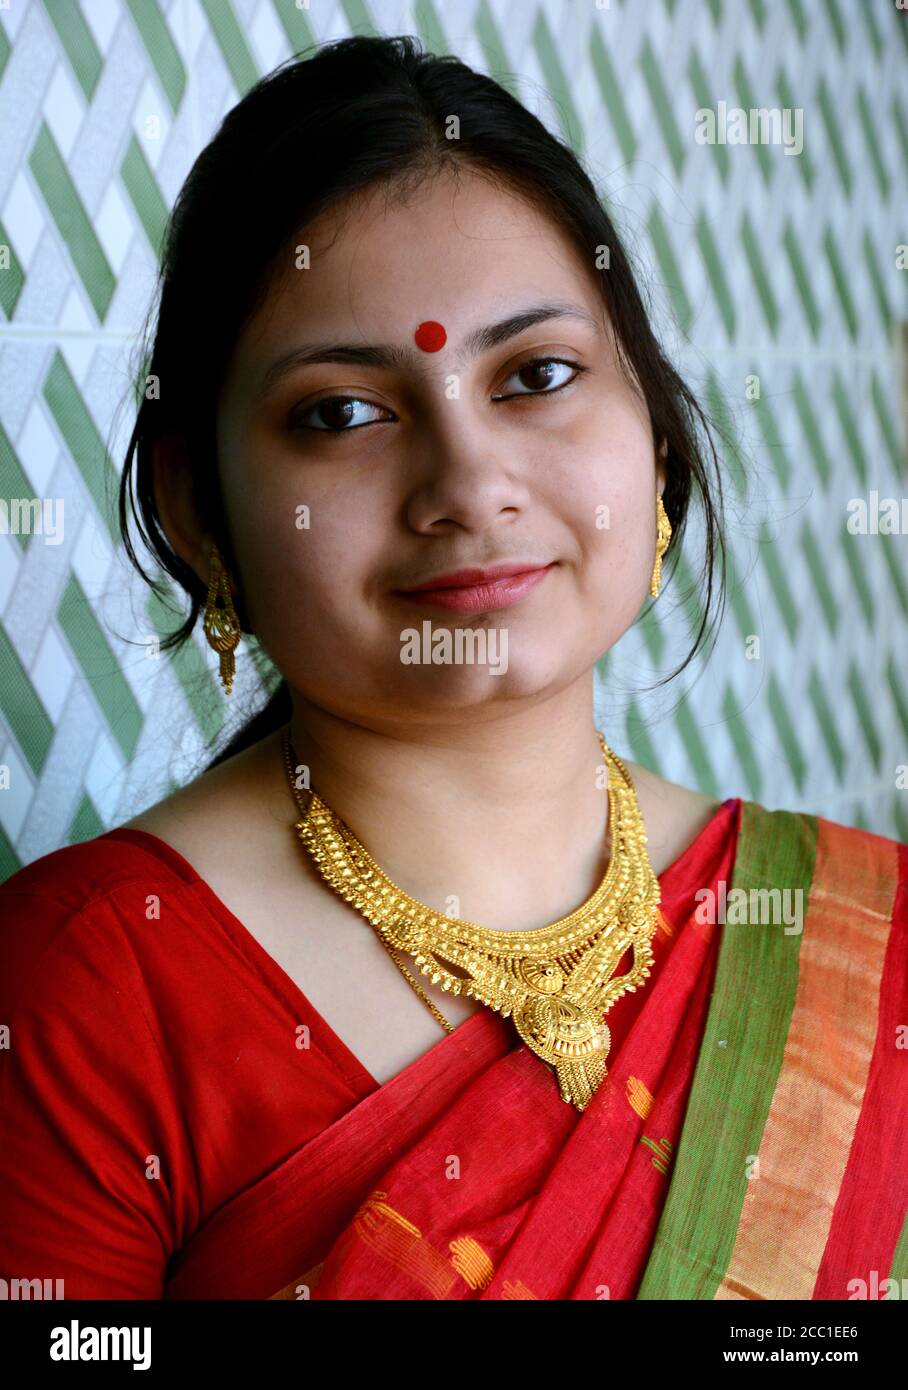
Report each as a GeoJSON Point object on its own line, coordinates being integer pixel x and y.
{"type": "Point", "coordinates": [738, 1065]}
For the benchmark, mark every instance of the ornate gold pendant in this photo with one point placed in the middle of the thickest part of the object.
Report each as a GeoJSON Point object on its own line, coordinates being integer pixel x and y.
{"type": "Point", "coordinates": [573, 1040]}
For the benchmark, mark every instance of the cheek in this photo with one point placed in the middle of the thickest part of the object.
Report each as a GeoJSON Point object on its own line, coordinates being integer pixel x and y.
{"type": "Point", "coordinates": [609, 504]}
{"type": "Point", "coordinates": [310, 572]}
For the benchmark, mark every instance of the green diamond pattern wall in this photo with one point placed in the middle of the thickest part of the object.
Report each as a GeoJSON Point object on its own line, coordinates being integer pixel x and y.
{"type": "Point", "coordinates": [775, 276]}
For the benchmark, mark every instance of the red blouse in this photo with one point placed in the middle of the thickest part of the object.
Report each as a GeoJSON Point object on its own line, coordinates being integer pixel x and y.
{"type": "Point", "coordinates": [153, 1070]}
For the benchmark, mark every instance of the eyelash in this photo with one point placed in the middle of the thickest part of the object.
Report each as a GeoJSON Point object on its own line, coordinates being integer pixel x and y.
{"type": "Point", "coordinates": [518, 395]}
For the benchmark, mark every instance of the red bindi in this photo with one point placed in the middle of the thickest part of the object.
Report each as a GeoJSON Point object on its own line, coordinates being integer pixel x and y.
{"type": "Point", "coordinates": [430, 336]}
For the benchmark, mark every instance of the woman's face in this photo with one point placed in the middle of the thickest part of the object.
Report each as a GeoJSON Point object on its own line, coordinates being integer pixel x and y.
{"type": "Point", "coordinates": [435, 461]}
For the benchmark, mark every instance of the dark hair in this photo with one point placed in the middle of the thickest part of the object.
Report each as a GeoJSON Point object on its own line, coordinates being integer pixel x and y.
{"type": "Point", "coordinates": [359, 112]}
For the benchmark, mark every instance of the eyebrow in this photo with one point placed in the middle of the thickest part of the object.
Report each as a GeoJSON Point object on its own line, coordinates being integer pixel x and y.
{"type": "Point", "coordinates": [393, 356]}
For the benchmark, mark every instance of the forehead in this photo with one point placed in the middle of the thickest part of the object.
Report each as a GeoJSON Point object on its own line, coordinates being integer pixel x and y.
{"type": "Point", "coordinates": [449, 250]}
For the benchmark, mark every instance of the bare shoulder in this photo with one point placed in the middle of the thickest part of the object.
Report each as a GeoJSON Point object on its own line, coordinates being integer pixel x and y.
{"type": "Point", "coordinates": [674, 815]}
{"type": "Point", "coordinates": [223, 807]}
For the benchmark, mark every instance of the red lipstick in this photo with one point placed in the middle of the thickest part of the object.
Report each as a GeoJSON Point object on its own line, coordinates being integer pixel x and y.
{"type": "Point", "coordinates": [479, 590]}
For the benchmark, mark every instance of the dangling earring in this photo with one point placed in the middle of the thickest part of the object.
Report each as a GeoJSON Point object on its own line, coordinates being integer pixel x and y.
{"type": "Point", "coordinates": [222, 626]}
{"type": "Point", "coordinates": [664, 531]}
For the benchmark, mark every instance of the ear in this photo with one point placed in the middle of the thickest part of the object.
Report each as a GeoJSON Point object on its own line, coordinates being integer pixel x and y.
{"type": "Point", "coordinates": [174, 496]}
{"type": "Point", "coordinates": [661, 465]}
{"type": "Point", "coordinates": [185, 529]}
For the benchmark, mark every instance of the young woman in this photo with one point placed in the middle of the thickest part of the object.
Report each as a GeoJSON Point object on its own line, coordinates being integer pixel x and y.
{"type": "Point", "coordinates": [420, 991]}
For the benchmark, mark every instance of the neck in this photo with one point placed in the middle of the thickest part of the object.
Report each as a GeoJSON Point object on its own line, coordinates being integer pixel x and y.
{"type": "Point", "coordinates": [506, 817]}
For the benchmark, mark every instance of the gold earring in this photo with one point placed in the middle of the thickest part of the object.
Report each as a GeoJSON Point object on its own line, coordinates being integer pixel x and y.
{"type": "Point", "coordinates": [222, 626]}
{"type": "Point", "coordinates": [664, 531]}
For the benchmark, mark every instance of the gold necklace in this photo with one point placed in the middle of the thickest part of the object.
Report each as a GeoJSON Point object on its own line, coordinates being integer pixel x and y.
{"type": "Point", "coordinates": [556, 982]}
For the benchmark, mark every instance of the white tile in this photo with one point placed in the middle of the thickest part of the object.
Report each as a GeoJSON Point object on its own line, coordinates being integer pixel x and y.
{"type": "Point", "coordinates": [15, 801]}
{"type": "Point", "coordinates": [151, 120]}
{"type": "Point", "coordinates": [115, 225]}
{"type": "Point", "coordinates": [103, 777]}
{"type": "Point", "coordinates": [38, 449]}
{"type": "Point", "coordinates": [76, 318]}
{"type": "Point", "coordinates": [64, 109]}
{"type": "Point", "coordinates": [23, 218]}
{"type": "Point", "coordinates": [266, 37]}
{"type": "Point", "coordinates": [13, 16]}
{"type": "Point", "coordinates": [53, 672]}
{"type": "Point", "coordinates": [10, 560]}
{"type": "Point", "coordinates": [102, 17]}
{"type": "Point", "coordinates": [76, 342]}
{"type": "Point", "coordinates": [142, 667]}
{"type": "Point", "coordinates": [91, 558]}
{"type": "Point", "coordinates": [189, 27]}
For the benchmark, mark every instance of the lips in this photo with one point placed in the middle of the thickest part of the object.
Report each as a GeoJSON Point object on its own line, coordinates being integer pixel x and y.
{"type": "Point", "coordinates": [479, 590]}
{"type": "Point", "coordinates": [458, 579]}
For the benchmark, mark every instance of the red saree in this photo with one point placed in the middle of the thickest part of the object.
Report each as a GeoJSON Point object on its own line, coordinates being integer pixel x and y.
{"type": "Point", "coordinates": [748, 1142]}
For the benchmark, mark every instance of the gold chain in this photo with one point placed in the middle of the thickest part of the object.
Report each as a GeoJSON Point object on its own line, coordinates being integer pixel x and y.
{"type": "Point", "coordinates": [556, 981]}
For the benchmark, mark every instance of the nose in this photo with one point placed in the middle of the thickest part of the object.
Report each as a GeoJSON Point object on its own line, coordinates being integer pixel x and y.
{"type": "Point", "coordinates": [468, 477]}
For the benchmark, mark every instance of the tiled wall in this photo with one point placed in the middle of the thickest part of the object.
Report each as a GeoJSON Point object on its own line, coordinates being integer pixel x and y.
{"type": "Point", "coordinates": [766, 269]}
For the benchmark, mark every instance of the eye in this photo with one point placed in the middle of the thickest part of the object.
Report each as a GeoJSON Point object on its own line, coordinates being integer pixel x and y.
{"type": "Point", "coordinates": [336, 414]}
{"type": "Point", "coordinates": [542, 368]}
{"type": "Point", "coordinates": [331, 414]}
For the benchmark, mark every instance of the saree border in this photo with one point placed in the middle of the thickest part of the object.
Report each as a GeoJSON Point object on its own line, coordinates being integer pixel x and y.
{"type": "Point", "coordinates": [769, 1129]}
